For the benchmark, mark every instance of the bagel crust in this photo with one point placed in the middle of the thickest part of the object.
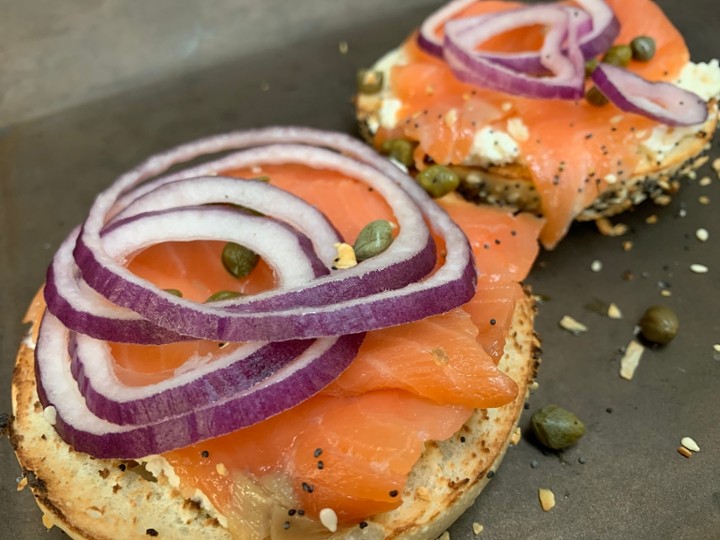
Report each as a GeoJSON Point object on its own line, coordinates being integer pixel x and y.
{"type": "Point", "coordinates": [102, 499]}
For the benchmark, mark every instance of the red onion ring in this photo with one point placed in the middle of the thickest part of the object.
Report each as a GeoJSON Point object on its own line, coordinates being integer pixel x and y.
{"type": "Point", "coordinates": [661, 101]}
{"type": "Point", "coordinates": [567, 69]}
{"type": "Point", "coordinates": [99, 415]}
{"type": "Point", "coordinates": [85, 432]}
{"type": "Point", "coordinates": [450, 286]}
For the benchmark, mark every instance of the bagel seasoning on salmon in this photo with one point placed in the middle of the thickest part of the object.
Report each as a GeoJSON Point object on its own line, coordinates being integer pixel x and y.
{"type": "Point", "coordinates": [563, 159]}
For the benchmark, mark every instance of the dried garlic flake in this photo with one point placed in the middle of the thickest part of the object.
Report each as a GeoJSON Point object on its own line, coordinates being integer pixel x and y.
{"type": "Point", "coordinates": [630, 360]}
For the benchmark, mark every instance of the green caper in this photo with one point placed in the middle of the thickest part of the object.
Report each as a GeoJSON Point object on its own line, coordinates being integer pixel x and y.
{"type": "Point", "coordinates": [590, 66]}
{"type": "Point", "coordinates": [595, 97]}
{"type": "Point", "coordinates": [265, 179]}
{"type": "Point", "coordinates": [438, 180]}
{"type": "Point", "coordinates": [618, 55]}
{"type": "Point", "coordinates": [556, 427]}
{"type": "Point", "coordinates": [369, 81]}
{"type": "Point", "coordinates": [400, 150]}
{"type": "Point", "coordinates": [643, 48]}
{"type": "Point", "coordinates": [223, 295]}
{"type": "Point", "coordinates": [239, 260]}
{"type": "Point", "coordinates": [373, 239]}
{"type": "Point", "coordinates": [659, 324]}
{"type": "Point", "coordinates": [175, 292]}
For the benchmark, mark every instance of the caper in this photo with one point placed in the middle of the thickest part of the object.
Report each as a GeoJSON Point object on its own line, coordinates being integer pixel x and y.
{"type": "Point", "coordinates": [595, 97]}
{"type": "Point", "coordinates": [369, 81]}
{"type": "Point", "coordinates": [643, 48]}
{"type": "Point", "coordinates": [175, 292]}
{"type": "Point", "coordinates": [618, 55]}
{"type": "Point", "coordinates": [556, 427]}
{"type": "Point", "coordinates": [400, 150]}
{"type": "Point", "coordinates": [590, 66]}
{"type": "Point", "coordinates": [265, 179]}
{"type": "Point", "coordinates": [239, 260]}
{"type": "Point", "coordinates": [659, 324]}
{"type": "Point", "coordinates": [223, 295]}
{"type": "Point", "coordinates": [438, 180]}
{"type": "Point", "coordinates": [373, 239]}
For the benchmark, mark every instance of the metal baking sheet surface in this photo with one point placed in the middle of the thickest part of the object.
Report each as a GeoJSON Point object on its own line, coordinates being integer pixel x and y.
{"type": "Point", "coordinates": [89, 88]}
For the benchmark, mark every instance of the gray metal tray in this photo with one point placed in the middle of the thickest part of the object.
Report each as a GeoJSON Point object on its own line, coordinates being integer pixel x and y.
{"type": "Point", "coordinates": [87, 89]}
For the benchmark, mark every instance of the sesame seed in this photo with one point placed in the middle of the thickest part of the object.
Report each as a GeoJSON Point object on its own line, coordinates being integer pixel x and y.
{"type": "Point", "coordinates": [291, 512]}
{"type": "Point", "coordinates": [462, 439]}
{"type": "Point", "coordinates": [534, 464]}
{"type": "Point", "coordinates": [490, 474]}
{"type": "Point", "coordinates": [690, 444]}
{"type": "Point", "coordinates": [151, 532]}
{"type": "Point", "coordinates": [362, 524]}
{"type": "Point", "coordinates": [393, 493]}
{"type": "Point", "coordinates": [702, 235]}
{"type": "Point", "coordinates": [716, 347]}
{"type": "Point", "coordinates": [329, 519]}
{"type": "Point", "coordinates": [704, 199]}
{"type": "Point", "coordinates": [493, 322]}
{"type": "Point", "coordinates": [320, 465]}
{"type": "Point", "coordinates": [705, 181]}
{"type": "Point", "coordinates": [699, 268]}
{"type": "Point", "coordinates": [301, 512]}
{"type": "Point", "coordinates": [596, 266]}
{"type": "Point", "coordinates": [286, 525]}
{"type": "Point", "coordinates": [582, 460]}
{"type": "Point", "coordinates": [307, 488]}
{"type": "Point", "coordinates": [205, 454]}
{"type": "Point", "coordinates": [317, 453]}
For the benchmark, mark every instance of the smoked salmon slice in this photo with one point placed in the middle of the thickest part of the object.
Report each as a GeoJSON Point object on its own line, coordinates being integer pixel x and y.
{"type": "Point", "coordinates": [350, 447]}
{"type": "Point", "coordinates": [573, 150]}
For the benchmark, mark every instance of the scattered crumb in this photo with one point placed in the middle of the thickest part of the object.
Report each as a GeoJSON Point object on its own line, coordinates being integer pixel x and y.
{"type": "Point", "coordinates": [702, 235]}
{"type": "Point", "coordinates": [477, 528]}
{"type": "Point", "coordinates": [48, 521]}
{"type": "Point", "coordinates": [547, 499]}
{"type": "Point", "coordinates": [627, 245]}
{"type": "Point", "coordinates": [329, 519]}
{"type": "Point", "coordinates": [343, 47]}
{"type": "Point", "coordinates": [573, 326]}
{"type": "Point", "coordinates": [516, 435]}
{"type": "Point", "coordinates": [630, 360]}
{"type": "Point", "coordinates": [651, 219]}
{"type": "Point", "coordinates": [608, 229]}
{"type": "Point", "coordinates": [22, 483]}
{"type": "Point", "coordinates": [699, 268]}
{"type": "Point", "coordinates": [614, 312]}
{"type": "Point", "coordinates": [705, 181]}
{"type": "Point", "coordinates": [596, 266]}
{"type": "Point", "coordinates": [662, 200]}
{"type": "Point", "coordinates": [690, 444]}
{"type": "Point", "coordinates": [684, 452]}
{"type": "Point", "coordinates": [704, 199]}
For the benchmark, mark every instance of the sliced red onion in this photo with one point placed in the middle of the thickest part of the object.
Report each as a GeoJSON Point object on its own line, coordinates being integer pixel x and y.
{"type": "Point", "coordinates": [661, 101]}
{"type": "Point", "coordinates": [605, 28]}
{"type": "Point", "coordinates": [254, 195]}
{"type": "Point", "coordinates": [427, 37]}
{"type": "Point", "coordinates": [85, 432]}
{"type": "Point", "coordinates": [80, 308]}
{"type": "Point", "coordinates": [567, 79]}
{"type": "Point", "coordinates": [469, 32]}
{"type": "Point", "coordinates": [197, 383]}
{"type": "Point", "coordinates": [450, 286]}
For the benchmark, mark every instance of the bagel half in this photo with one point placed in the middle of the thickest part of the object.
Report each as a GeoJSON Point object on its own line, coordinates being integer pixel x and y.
{"type": "Point", "coordinates": [102, 499]}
